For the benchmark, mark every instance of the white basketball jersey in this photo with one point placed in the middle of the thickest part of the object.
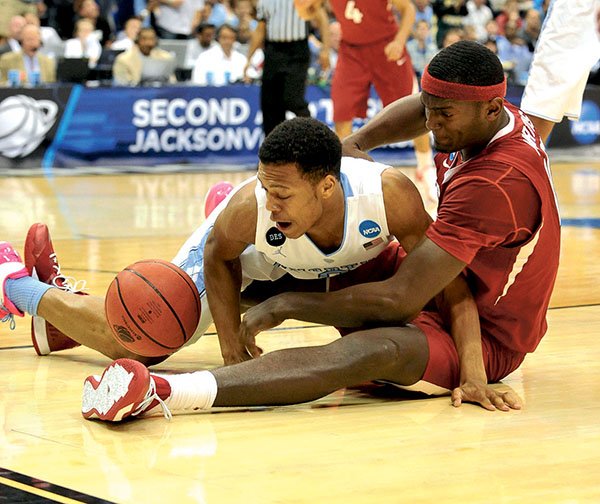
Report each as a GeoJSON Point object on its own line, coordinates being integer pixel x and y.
{"type": "Point", "coordinates": [366, 232]}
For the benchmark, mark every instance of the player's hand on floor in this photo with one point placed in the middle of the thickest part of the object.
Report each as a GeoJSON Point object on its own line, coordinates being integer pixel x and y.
{"type": "Point", "coordinates": [481, 393]}
{"type": "Point", "coordinates": [257, 319]}
{"type": "Point", "coordinates": [242, 355]}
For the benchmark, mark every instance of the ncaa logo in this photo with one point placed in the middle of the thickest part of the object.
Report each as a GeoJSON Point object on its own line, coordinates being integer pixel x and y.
{"type": "Point", "coordinates": [369, 229]}
{"type": "Point", "coordinates": [24, 123]}
{"type": "Point", "coordinates": [587, 129]}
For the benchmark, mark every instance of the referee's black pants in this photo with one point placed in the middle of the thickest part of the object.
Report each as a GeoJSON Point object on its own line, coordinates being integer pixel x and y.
{"type": "Point", "coordinates": [284, 82]}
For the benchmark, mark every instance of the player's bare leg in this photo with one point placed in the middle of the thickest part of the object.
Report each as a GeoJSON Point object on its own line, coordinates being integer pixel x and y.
{"type": "Point", "coordinates": [304, 374]}
{"type": "Point", "coordinates": [82, 319]}
{"type": "Point", "coordinates": [127, 389]}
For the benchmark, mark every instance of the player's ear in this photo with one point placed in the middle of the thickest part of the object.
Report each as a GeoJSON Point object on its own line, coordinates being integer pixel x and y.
{"type": "Point", "coordinates": [328, 184]}
{"type": "Point", "coordinates": [494, 108]}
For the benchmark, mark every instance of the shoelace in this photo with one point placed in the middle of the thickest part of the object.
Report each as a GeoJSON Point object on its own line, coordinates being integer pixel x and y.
{"type": "Point", "coordinates": [7, 317]}
{"type": "Point", "coordinates": [151, 395]}
{"type": "Point", "coordinates": [69, 283]}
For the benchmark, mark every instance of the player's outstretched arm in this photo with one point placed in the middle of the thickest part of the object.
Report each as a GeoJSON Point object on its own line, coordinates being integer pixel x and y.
{"type": "Point", "coordinates": [234, 229]}
{"type": "Point", "coordinates": [401, 120]}
{"type": "Point", "coordinates": [421, 276]}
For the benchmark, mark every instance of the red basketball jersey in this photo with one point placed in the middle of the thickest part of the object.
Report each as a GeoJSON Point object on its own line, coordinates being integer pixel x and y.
{"type": "Point", "coordinates": [364, 21]}
{"type": "Point", "coordinates": [485, 206]}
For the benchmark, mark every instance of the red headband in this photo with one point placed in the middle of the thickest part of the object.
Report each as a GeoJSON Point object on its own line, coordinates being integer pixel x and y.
{"type": "Point", "coordinates": [463, 92]}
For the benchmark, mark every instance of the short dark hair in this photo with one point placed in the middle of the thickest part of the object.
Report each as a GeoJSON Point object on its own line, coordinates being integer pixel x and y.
{"type": "Point", "coordinates": [467, 62]}
{"type": "Point", "coordinates": [145, 29]}
{"type": "Point", "coordinates": [306, 142]}
{"type": "Point", "coordinates": [203, 26]}
{"type": "Point", "coordinates": [226, 26]}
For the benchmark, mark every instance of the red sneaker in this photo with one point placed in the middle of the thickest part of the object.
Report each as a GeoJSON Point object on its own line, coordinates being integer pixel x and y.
{"type": "Point", "coordinates": [215, 195]}
{"type": "Point", "coordinates": [42, 263]}
{"type": "Point", "coordinates": [11, 266]}
{"type": "Point", "coordinates": [126, 389]}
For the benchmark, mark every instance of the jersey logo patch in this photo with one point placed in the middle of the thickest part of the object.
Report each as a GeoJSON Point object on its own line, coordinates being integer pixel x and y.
{"type": "Point", "coordinates": [369, 229]}
{"type": "Point", "coordinates": [274, 237]}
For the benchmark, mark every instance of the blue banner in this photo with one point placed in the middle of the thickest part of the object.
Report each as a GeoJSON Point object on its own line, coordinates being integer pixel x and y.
{"type": "Point", "coordinates": [172, 125]}
{"type": "Point", "coordinates": [208, 127]}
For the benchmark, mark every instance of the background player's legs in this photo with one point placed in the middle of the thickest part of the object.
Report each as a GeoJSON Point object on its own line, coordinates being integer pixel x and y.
{"type": "Point", "coordinates": [271, 91]}
{"type": "Point", "coordinates": [343, 129]}
{"type": "Point", "coordinates": [297, 375]}
{"type": "Point", "coordinates": [294, 87]}
{"type": "Point", "coordinates": [350, 89]}
{"type": "Point", "coordinates": [82, 319]}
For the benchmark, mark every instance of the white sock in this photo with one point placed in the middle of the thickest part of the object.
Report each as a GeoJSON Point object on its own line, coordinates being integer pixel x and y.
{"type": "Point", "coordinates": [191, 391]}
{"type": "Point", "coordinates": [424, 160]}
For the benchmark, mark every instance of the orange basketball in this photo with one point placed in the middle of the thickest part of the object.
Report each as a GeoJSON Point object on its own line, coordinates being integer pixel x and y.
{"type": "Point", "coordinates": [152, 307]}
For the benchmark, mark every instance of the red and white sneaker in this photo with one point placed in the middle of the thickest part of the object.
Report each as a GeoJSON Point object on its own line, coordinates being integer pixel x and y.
{"type": "Point", "coordinates": [11, 266]}
{"type": "Point", "coordinates": [215, 195]}
{"type": "Point", "coordinates": [126, 389]}
{"type": "Point", "coordinates": [42, 263]}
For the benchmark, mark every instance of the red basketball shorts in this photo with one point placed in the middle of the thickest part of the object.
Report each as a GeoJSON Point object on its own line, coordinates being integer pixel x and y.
{"type": "Point", "coordinates": [443, 372]}
{"type": "Point", "coordinates": [360, 66]}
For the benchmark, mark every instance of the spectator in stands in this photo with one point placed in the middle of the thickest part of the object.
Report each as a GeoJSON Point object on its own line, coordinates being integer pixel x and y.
{"type": "Point", "coordinates": [492, 29]}
{"type": "Point", "coordinates": [247, 23]}
{"type": "Point", "coordinates": [245, 12]}
{"type": "Point", "coordinates": [204, 39]}
{"type": "Point", "coordinates": [222, 64]}
{"type": "Point", "coordinates": [52, 44]}
{"type": "Point", "coordinates": [424, 12]}
{"type": "Point", "coordinates": [451, 14]}
{"type": "Point", "coordinates": [532, 26]}
{"type": "Point", "coordinates": [491, 45]}
{"type": "Point", "coordinates": [84, 44]}
{"type": "Point", "coordinates": [13, 38]}
{"type": "Point", "coordinates": [12, 8]}
{"type": "Point", "coordinates": [452, 36]}
{"type": "Point", "coordinates": [421, 47]}
{"type": "Point", "coordinates": [478, 16]}
{"type": "Point", "coordinates": [510, 13]}
{"type": "Point", "coordinates": [89, 9]}
{"type": "Point", "coordinates": [28, 59]}
{"type": "Point", "coordinates": [174, 18]}
{"type": "Point", "coordinates": [133, 67]}
{"type": "Point", "coordinates": [514, 54]}
{"type": "Point", "coordinates": [222, 13]}
{"type": "Point", "coordinates": [130, 33]}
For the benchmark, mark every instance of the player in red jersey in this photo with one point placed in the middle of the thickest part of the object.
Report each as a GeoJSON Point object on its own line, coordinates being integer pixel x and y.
{"type": "Point", "coordinates": [497, 225]}
{"type": "Point", "coordinates": [372, 52]}
{"type": "Point", "coordinates": [497, 221]}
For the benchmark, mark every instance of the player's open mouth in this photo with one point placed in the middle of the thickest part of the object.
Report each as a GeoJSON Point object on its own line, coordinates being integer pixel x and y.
{"type": "Point", "coordinates": [283, 225]}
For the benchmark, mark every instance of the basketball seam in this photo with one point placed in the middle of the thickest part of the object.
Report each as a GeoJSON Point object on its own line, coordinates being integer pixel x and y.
{"type": "Point", "coordinates": [135, 323]}
{"type": "Point", "coordinates": [186, 278]}
{"type": "Point", "coordinates": [173, 312]}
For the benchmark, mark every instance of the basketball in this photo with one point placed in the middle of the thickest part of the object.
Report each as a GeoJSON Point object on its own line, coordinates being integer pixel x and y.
{"type": "Point", "coordinates": [152, 307]}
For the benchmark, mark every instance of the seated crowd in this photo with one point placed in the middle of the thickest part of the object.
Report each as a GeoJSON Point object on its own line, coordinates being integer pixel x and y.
{"type": "Point", "coordinates": [205, 42]}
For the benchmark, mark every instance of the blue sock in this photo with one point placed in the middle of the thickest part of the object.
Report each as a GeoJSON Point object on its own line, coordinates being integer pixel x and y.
{"type": "Point", "coordinates": [26, 293]}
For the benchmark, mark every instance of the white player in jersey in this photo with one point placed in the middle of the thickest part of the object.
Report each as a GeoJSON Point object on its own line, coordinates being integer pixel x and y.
{"type": "Point", "coordinates": [566, 51]}
{"type": "Point", "coordinates": [301, 215]}
{"type": "Point", "coordinates": [270, 254]}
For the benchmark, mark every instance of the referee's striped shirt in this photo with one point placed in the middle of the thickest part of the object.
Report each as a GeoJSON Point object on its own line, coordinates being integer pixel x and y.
{"type": "Point", "coordinates": [282, 20]}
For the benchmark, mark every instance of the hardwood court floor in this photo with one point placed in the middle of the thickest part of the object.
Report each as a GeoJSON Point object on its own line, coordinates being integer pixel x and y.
{"type": "Point", "coordinates": [348, 447]}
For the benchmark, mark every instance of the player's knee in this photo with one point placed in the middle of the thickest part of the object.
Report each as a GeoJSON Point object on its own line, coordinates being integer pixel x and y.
{"type": "Point", "coordinates": [396, 354]}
